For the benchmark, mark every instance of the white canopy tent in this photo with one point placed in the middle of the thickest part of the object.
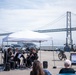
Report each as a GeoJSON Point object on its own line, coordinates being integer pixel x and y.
{"type": "Point", "coordinates": [27, 36]}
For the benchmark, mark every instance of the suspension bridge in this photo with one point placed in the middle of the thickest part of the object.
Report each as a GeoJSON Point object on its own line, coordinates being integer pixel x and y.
{"type": "Point", "coordinates": [68, 29]}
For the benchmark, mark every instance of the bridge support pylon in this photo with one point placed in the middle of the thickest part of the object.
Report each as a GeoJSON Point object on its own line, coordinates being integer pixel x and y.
{"type": "Point", "coordinates": [69, 41]}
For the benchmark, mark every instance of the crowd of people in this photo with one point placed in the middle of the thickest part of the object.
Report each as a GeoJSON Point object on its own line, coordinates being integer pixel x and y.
{"type": "Point", "coordinates": [15, 58]}
{"type": "Point", "coordinates": [32, 61]}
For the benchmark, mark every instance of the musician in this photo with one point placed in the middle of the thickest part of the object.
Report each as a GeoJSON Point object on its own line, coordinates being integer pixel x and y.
{"type": "Point", "coordinates": [33, 56]}
{"type": "Point", "coordinates": [8, 55]}
{"type": "Point", "coordinates": [17, 57]}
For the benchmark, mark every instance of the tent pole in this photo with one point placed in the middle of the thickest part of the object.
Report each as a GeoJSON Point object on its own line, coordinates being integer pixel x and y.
{"type": "Point", "coordinates": [40, 50]}
{"type": "Point", "coordinates": [53, 55]}
{"type": "Point", "coordinates": [1, 53]}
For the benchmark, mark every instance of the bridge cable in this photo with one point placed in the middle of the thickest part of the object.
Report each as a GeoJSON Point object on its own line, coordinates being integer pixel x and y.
{"type": "Point", "coordinates": [53, 22]}
{"type": "Point", "coordinates": [74, 14]}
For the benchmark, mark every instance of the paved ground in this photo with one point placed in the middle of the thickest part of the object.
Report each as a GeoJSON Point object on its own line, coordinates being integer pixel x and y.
{"type": "Point", "coordinates": [50, 56]}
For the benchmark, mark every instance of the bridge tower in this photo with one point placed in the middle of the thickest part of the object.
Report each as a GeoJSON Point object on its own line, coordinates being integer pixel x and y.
{"type": "Point", "coordinates": [69, 41]}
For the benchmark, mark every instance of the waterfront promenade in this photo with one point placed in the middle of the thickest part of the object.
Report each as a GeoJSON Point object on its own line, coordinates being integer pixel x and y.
{"type": "Point", "coordinates": [50, 56]}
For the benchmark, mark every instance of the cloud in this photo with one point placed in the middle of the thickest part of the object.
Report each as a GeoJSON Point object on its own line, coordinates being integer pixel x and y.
{"type": "Point", "coordinates": [29, 18]}
{"type": "Point", "coordinates": [36, 4]}
{"type": "Point", "coordinates": [18, 15]}
{"type": "Point", "coordinates": [19, 19]}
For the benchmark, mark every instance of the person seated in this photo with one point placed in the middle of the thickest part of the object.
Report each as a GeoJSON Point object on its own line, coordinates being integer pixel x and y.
{"type": "Point", "coordinates": [17, 57]}
{"type": "Point", "coordinates": [8, 55]}
{"type": "Point", "coordinates": [31, 57]}
{"type": "Point", "coordinates": [8, 58]}
{"type": "Point", "coordinates": [33, 54]}
{"type": "Point", "coordinates": [67, 67]}
{"type": "Point", "coordinates": [61, 51]}
{"type": "Point", "coordinates": [38, 70]}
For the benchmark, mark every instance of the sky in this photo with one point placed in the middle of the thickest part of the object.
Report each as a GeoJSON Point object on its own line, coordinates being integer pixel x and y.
{"type": "Point", "coordinates": [16, 15]}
